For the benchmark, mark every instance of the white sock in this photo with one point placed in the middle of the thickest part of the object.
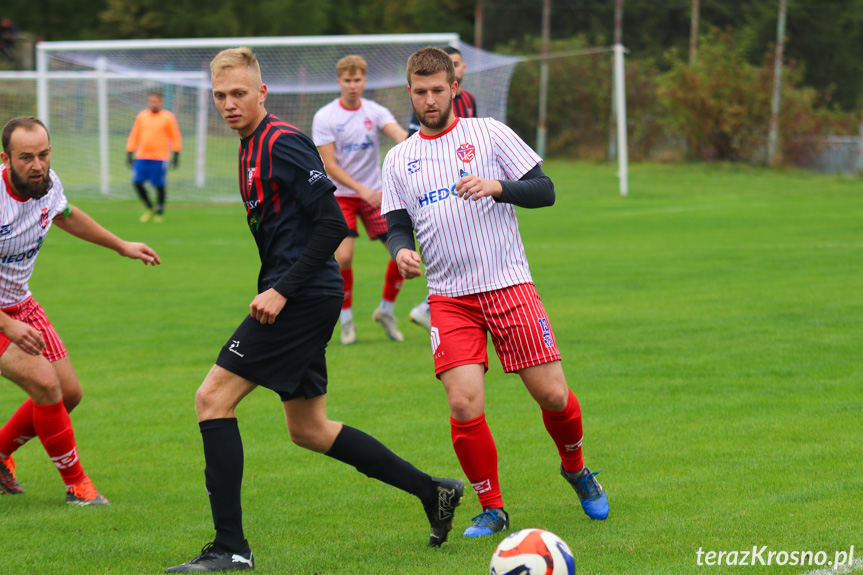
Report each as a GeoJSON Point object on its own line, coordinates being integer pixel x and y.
{"type": "Point", "coordinates": [387, 307]}
{"type": "Point", "coordinates": [346, 315]}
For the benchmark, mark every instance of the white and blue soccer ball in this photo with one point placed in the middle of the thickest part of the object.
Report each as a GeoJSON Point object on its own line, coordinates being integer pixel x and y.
{"type": "Point", "coordinates": [532, 552]}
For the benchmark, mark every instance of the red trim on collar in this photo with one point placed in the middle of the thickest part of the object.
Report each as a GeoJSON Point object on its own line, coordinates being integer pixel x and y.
{"type": "Point", "coordinates": [436, 136]}
{"type": "Point", "coordinates": [360, 105]}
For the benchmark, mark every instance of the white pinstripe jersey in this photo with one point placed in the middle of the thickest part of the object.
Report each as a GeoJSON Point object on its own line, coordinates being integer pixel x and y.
{"type": "Point", "coordinates": [24, 223]}
{"type": "Point", "coordinates": [467, 247]}
{"type": "Point", "coordinates": [356, 136]}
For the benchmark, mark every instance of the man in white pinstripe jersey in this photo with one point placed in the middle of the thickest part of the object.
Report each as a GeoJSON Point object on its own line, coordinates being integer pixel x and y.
{"type": "Point", "coordinates": [32, 355]}
{"type": "Point", "coordinates": [346, 134]}
{"type": "Point", "coordinates": [456, 183]}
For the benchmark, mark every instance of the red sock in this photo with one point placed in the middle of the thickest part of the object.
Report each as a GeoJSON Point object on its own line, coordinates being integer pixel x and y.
{"type": "Point", "coordinates": [348, 278]}
{"type": "Point", "coordinates": [565, 429]}
{"type": "Point", "coordinates": [393, 282]}
{"type": "Point", "coordinates": [54, 429]}
{"type": "Point", "coordinates": [18, 430]}
{"type": "Point", "coordinates": [477, 453]}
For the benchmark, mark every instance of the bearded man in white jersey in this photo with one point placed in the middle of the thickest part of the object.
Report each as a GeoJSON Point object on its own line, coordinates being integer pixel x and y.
{"type": "Point", "coordinates": [456, 183]}
{"type": "Point", "coordinates": [32, 355]}
{"type": "Point", "coordinates": [345, 132]}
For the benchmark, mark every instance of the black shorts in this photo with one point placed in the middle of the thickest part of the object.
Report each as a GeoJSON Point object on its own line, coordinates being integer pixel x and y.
{"type": "Point", "coordinates": [289, 355]}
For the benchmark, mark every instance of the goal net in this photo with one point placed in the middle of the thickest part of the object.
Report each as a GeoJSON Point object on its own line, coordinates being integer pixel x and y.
{"type": "Point", "coordinates": [90, 92]}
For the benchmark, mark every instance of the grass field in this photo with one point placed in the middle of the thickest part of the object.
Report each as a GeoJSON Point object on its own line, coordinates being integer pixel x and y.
{"type": "Point", "coordinates": [710, 325]}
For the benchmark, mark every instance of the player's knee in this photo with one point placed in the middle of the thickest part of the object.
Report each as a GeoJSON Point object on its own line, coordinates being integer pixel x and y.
{"type": "Point", "coordinates": [44, 388]}
{"type": "Point", "coordinates": [206, 404]}
{"type": "Point", "coordinates": [555, 398]}
{"type": "Point", "coordinates": [305, 438]}
{"type": "Point", "coordinates": [464, 407]}
{"type": "Point", "coordinates": [71, 398]}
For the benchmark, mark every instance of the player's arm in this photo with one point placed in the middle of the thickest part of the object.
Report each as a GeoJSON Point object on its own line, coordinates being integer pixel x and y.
{"type": "Point", "coordinates": [336, 172]}
{"type": "Point", "coordinates": [400, 242]}
{"type": "Point", "coordinates": [328, 231]}
{"type": "Point", "coordinates": [176, 142]}
{"type": "Point", "coordinates": [534, 190]}
{"type": "Point", "coordinates": [132, 142]}
{"type": "Point", "coordinates": [23, 335]}
{"type": "Point", "coordinates": [395, 132]}
{"type": "Point", "coordinates": [82, 226]}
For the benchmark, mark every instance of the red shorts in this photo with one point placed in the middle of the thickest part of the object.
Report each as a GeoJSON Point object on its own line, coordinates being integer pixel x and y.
{"type": "Point", "coordinates": [514, 316]}
{"type": "Point", "coordinates": [374, 223]}
{"type": "Point", "coordinates": [30, 312]}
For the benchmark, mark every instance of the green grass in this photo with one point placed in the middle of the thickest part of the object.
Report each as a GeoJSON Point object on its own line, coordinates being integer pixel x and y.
{"type": "Point", "coordinates": [710, 325]}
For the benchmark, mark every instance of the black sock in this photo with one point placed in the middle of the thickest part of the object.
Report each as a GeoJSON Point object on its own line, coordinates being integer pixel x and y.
{"type": "Point", "coordinates": [142, 193]}
{"type": "Point", "coordinates": [160, 202]}
{"type": "Point", "coordinates": [374, 459]}
{"type": "Point", "coordinates": [223, 454]}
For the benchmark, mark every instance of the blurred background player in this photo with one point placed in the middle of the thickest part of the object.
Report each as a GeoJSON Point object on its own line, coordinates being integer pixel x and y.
{"type": "Point", "coordinates": [281, 344]}
{"type": "Point", "coordinates": [463, 106]}
{"type": "Point", "coordinates": [32, 355]}
{"type": "Point", "coordinates": [154, 136]}
{"type": "Point", "coordinates": [479, 281]}
{"type": "Point", "coordinates": [346, 134]}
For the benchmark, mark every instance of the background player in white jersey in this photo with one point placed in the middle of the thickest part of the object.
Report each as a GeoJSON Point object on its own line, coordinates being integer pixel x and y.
{"type": "Point", "coordinates": [457, 185]}
{"type": "Point", "coordinates": [346, 134]}
{"type": "Point", "coordinates": [31, 353]}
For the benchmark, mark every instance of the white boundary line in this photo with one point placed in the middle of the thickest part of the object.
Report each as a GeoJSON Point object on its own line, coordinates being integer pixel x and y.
{"type": "Point", "coordinates": [856, 566]}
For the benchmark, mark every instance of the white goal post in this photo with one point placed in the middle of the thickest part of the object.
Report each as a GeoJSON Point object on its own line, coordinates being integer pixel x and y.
{"type": "Point", "coordinates": [89, 93]}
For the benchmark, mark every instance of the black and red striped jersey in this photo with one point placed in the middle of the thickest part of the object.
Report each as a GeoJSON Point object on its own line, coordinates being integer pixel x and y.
{"type": "Point", "coordinates": [281, 173]}
{"type": "Point", "coordinates": [463, 106]}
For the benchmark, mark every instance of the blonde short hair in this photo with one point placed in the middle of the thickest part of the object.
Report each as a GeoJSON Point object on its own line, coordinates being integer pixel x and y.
{"type": "Point", "coordinates": [232, 58]}
{"type": "Point", "coordinates": [428, 62]}
{"type": "Point", "coordinates": [351, 64]}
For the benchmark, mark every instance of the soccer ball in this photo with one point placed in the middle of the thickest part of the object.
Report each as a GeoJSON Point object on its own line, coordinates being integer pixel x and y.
{"type": "Point", "coordinates": [532, 552]}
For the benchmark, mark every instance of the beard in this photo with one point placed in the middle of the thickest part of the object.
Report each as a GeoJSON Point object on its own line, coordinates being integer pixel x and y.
{"type": "Point", "coordinates": [437, 123]}
{"type": "Point", "coordinates": [26, 188]}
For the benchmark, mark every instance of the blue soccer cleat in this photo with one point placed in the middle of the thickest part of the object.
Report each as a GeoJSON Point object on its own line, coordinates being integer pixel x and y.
{"type": "Point", "coordinates": [492, 520]}
{"type": "Point", "coordinates": [590, 492]}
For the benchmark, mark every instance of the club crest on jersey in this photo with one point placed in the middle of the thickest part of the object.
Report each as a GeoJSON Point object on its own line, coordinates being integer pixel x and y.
{"type": "Point", "coordinates": [250, 175]}
{"type": "Point", "coordinates": [466, 153]}
{"type": "Point", "coordinates": [43, 218]}
{"type": "Point", "coordinates": [413, 167]}
{"type": "Point", "coordinates": [368, 124]}
{"type": "Point", "coordinates": [5, 230]}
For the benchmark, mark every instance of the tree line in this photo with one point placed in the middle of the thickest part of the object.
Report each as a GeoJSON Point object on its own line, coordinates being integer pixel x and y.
{"type": "Point", "coordinates": [716, 107]}
{"type": "Point", "coordinates": [825, 38]}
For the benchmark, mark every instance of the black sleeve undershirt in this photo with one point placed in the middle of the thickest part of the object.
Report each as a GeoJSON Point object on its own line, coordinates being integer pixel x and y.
{"type": "Point", "coordinates": [400, 232]}
{"type": "Point", "coordinates": [534, 190]}
{"type": "Point", "coordinates": [328, 232]}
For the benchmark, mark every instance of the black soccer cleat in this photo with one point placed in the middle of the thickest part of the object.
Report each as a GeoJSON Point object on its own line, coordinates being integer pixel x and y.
{"type": "Point", "coordinates": [8, 482]}
{"type": "Point", "coordinates": [441, 511]}
{"type": "Point", "coordinates": [214, 558]}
